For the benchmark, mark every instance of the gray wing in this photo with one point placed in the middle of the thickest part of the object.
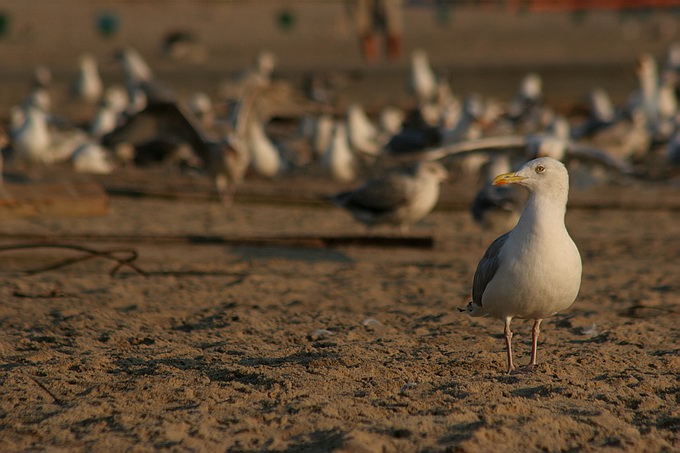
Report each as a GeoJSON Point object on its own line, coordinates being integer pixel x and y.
{"type": "Point", "coordinates": [166, 121]}
{"type": "Point", "coordinates": [592, 154]}
{"type": "Point", "coordinates": [487, 267]}
{"type": "Point", "coordinates": [384, 194]}
{"type": "Point", "coordinates": [460, 149]}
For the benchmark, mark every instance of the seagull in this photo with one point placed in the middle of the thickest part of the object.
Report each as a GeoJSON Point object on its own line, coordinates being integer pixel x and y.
{"type": "Point", "coordinates": [497, 208]}
{"type": "Point", "coordinates": [39, 95]}
{"type": "Point", "coordinates": [31, 137]}
{"type": "Point", "coordinates": [322, 133]}
{"type": "Point", "coordinates": [401, 197]}
{"type": "Point", "coordinates": [140, 79]}
{"type": "Point", "coordinates": [42, 77]}
{"type": "Point", "coordinates": [88, 86]}
{"type": "Point", "coordinates": [466, 126]}
{"type": "Point", "coordinates": [628, 139]}
{"type": "Point", "coordinates": [265, 158]}
{"type": "Point", "coordinates": [35, 143]}
{"type": "Point", "coordinates": [534, 270]}
{"type": "Point", "coordinates": [339, 159]}
{"type": "Point", "coordinates": [134, 65]}
{"type": "Point", "coordinates": [423, 81]}
{"type": "Point", "coordinates": [226, 160]}
{"type": "Point", "coordinates": [528, 102]}
{"type": "Point", "coordinates": [363, 135]}
{"type": "Point", "coordinates": [602, 114]}
{"type": "Point", "coordinates": [92, 158]}
{"type": "Point", "coordinates": [203, 109]}
{"type": "Point", "coordinates": [258, 76]}
{"type": "Point", "coordinates": [648, 79]}
{"type": "Point", "coordinates": [107, 117]}
{"type": "Point", "coordinates": [391, 119]}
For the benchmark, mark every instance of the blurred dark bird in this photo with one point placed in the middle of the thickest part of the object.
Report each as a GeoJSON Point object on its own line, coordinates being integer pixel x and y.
{"type": "Point", "coordinates": [497, 208]}
{"type": "Point", "coordinates": [225, 160]}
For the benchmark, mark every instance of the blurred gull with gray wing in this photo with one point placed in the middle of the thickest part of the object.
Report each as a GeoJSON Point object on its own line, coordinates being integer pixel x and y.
{"type": "Point", "coordinates": [401, 197]}
{"type": "Point", "coordinates": [534, 270]}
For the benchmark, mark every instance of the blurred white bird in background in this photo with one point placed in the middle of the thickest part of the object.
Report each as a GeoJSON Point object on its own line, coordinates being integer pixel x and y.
{"type": "Point", "coordinates": [265, 158]}
{"type": "Point", "coordinates": [88, 86]}
{"type": "Point", "coordinates": [422, 80]}
{"type": "Point", "coordinates": [339, 160]}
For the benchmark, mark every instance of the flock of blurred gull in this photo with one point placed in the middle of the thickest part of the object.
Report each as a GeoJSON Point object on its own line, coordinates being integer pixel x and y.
{"type": "Point", "coordinates": [400, 154]}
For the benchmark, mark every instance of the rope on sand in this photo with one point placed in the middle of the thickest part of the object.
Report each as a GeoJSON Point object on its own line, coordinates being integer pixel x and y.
{"type": "Point", "coordinates": [123, 257]}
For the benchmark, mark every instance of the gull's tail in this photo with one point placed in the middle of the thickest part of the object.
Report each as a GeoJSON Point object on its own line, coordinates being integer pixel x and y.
{"type": "Point", "coordinates": [473, 310]}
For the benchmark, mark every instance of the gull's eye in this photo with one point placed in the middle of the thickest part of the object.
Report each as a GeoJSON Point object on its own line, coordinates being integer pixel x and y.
{"type": "Point", "coordinates": [540, 169]}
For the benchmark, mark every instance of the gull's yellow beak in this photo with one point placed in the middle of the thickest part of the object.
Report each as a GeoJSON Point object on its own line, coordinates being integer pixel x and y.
{"type": "Point", "coordinates": [507, 178]}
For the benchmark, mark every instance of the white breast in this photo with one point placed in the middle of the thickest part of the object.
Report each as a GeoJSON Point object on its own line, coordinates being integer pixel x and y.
{"type": "Point", "coordinates": [539, 275]}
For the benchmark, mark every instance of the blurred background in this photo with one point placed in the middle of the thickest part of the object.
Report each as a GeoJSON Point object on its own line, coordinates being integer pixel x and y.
{"type": "Point", "coordinates": [481, 45]}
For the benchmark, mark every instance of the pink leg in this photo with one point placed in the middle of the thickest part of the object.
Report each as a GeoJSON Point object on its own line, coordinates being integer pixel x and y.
{"type": "Point", "coordinates": [508, 344]}
{"type": "Point", "coordinates": [534, 336]}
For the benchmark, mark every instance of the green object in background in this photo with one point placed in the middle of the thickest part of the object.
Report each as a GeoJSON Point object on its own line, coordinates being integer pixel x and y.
{"type": "Point", "coordinates": [443, 13]}
{"type": "Point", "coordinates": [108, 24]}
{"type": "Point", "coordinates": [578, 16]}
{"type": "Point", "coordinates": [641, 14]}
{"type": "Point", "coordinates": [285, 19]}
{"type": "Point", "coordinates": [4, 24]}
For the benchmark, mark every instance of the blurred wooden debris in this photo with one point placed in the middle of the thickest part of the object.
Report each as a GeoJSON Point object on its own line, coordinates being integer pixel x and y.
{"type": "Point", "coordinates": [311, 241]}
{"type": "Point", "coordinates": [53, 199]}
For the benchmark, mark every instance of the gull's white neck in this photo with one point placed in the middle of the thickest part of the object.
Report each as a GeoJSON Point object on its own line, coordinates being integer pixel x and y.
{"type": "Point", "coordinates": [543, 214]}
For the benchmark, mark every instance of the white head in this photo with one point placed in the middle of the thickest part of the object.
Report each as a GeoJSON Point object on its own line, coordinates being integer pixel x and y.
{"type": "Point", "coordinates": [432, 171]}
{"type": "Point", "coordinates": [531, 87]}
{"type": "Point", "coordinates": [544, 176]}
{"type": "Point", "coordinates": [88, 63]}
{"type": "Point", "coordinates": [601, 105]}
{"type": "Point", "coordinates": [42, 76]}
{"type": "Point", "coordinates": [266, 61]}
{"type": "Point", "coordinates": [540, 145]}
{"type": "Point", "coordinates": [200, 104]}
{"type": "Point", "coordinates": [419, 57]}
{"type": "Point", "coordinates": [134, 65]}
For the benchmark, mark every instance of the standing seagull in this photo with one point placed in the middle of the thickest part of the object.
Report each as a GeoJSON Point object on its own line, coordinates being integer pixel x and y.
{"type": "Point", "coordinates": [339, 159]}
{"type": "Point", "coordinates": [534, 270]}
{"type": "Point", "coordinates": [399, 198]}
{"type": "Point", "coordinates": [422, 81]}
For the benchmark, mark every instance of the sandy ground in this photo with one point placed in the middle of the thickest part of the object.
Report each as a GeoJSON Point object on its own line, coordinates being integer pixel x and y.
{"type": "Point", "coordinates": [244, 348]}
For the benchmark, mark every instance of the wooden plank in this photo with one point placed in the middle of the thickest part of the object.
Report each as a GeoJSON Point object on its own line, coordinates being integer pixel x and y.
{"type": "Point", "coordinates": [378, 241]}
{"type": "Point", "coordinates": [53, 199]}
